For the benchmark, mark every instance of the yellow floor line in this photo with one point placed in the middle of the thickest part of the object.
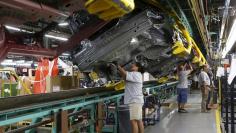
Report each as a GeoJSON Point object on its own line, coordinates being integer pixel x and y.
{"type": "Point", "coordinates": [217, 115]}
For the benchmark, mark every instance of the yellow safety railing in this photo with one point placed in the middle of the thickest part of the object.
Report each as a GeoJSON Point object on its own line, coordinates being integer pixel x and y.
{"type": "Point", "coordinates": [18, 78]}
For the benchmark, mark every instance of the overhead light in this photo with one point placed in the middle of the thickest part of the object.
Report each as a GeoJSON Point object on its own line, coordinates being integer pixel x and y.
{"type": "Point", "coordinates": [56, 37]}
{"type": "Point", "coordinates": [230, 41]}
{"type": "Point", "coordinates": [12, 28]}
{"type": "Point", "coordinates": [8, 63]}
{"type": "Point", "coordinates": [63, 24]}
{"type": "Point", "coordinates": [24, 64]}
{"type": "Point", "coordinates": [27, 31]}
{"type": "Point", "coordinates": [20, 61]}
{"type": "Point", "coordinates": [18, 29]}
{"type": "Point", "coordinates": [29, 62]}
{"type": "Point", "coordinates": [54, 45]}
{"type": "Point", "coordinates": [8, 60]}
{"type": "Point", "coordinates": [65, 54]}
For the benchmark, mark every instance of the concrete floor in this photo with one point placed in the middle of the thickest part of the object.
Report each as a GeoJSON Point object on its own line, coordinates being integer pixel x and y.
{"type": "Point", "coordinates": [192, 122]}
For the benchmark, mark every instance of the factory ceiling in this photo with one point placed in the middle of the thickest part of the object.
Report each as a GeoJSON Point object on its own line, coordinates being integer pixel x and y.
{"type": "Point", "coordinates": [48, 28]}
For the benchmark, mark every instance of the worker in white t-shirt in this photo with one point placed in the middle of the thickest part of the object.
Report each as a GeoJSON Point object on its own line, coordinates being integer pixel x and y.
{"type": "Point", "coordinates": [182, 87]}
{"type": "Point", "coordinates": [195, 81]}
{"type": "Point", "coordinates": [204, 84]}
{"type": "Point", "coordinates": [134, 95]}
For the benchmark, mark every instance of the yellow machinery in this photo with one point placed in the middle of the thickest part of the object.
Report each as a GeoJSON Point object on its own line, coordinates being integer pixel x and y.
{"type": "Point", "coordinates": [116, 85]}
{"type": "Point", "coordinates": [179, 49]}
{"type": "Point", "coordinates": [112, 85]}
{"type": "Point", "coordinates": [27, 90]}
{"type": "Point", "coordinates": [109, 9]}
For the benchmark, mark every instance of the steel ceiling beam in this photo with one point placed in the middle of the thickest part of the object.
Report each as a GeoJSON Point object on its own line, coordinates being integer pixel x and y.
{"type": "Point", "coordinates": [18, 49]}
{"type": "Point", "coordinates": [2, 36]}
{"type": "Point", "coordinates": [73, 42]}
{"type": "Point", "coordinates": [24, 50]}
{"type": "Point", "coordinates": [83, 33]}
{"type": "Point", "coordinates": [27, 5]}
{"type": "Point", "coordinates": [3, 53]}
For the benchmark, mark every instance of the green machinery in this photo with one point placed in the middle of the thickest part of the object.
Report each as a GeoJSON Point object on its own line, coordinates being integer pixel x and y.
{"type": "Point", "coordinates": [66, 109]}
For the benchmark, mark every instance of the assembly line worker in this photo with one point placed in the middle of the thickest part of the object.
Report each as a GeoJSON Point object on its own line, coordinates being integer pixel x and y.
{"type": "Point", "coordinates": [204, 84]}
{"type": "Point", "coordinates": [134, 95]}
{"type": "Point", "coordinates": [182, 87]}
{"type": "Point", "coordinates": [195, 81]}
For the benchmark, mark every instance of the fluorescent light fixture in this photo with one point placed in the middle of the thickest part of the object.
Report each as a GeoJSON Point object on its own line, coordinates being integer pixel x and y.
{"type": "Point", "coordinates": [8, 63]}
{"type": "Point", "coordinates": [56, 37]}
{"type": "Point", "coordinates": [230, 41]}
{"type": "Point", "coordinates": [29, 62]}
{"type": "Point", "coordinates": [24, 64]}
{"type": "Point", "coordinates": [15, 64]}
{"type": "Point", "coordinates": [17, 29]}
{"type": "Point", "coordinates": [8, 60]}
{"type": "Point", "coordinates": [27, 31]}
{"type": "Point", "coordinates": [12, 28]}
{"type": "Point", "coordinates": [65, 54]}
{"type": "Point", "coordinates": [63, 24]}
{"type": "Point", "coordinates": [20, 61]}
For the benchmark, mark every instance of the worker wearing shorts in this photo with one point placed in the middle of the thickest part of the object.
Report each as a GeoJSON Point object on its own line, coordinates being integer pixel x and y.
{"type": "Point", "coordinates": [133, 96]}
{"type": "Point", "coordinates": [182, 87]}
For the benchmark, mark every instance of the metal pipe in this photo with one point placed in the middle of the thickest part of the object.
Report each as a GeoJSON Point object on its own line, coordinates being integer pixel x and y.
{"type": "Point", "coordinates": [225, 16]}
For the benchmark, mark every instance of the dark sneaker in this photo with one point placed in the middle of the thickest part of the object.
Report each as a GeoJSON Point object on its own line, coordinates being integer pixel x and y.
{"type": "Point", "coordinates": [182, 111]}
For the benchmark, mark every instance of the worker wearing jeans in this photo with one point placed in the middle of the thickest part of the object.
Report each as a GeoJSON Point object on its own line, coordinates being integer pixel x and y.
{"type": "Point", "coordinates": [204, 84]}
{"type": "Point", "coordinates": [134, 95]}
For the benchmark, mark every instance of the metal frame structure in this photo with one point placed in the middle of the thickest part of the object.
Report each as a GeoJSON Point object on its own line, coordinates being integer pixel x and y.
{"type": "Point", "coordinates": [160, 93]}
{"type": "Point", "coordinates": [61, 110]}
{"type": "Point", "coordinates": [228, 104]}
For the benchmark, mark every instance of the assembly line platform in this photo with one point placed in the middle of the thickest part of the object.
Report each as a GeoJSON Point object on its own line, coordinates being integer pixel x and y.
{"type": "Point", "coordinates": [191, 122]}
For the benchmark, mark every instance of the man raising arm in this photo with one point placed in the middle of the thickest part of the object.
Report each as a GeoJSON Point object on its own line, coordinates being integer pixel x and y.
{"type": "Point", "coordinates": [134, 95]}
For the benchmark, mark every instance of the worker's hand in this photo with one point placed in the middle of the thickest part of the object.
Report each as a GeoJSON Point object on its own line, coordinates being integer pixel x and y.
{"type": "Point", "coordinates": [112, 65]}
{"type": "Point", "coordinates": [115, 63]}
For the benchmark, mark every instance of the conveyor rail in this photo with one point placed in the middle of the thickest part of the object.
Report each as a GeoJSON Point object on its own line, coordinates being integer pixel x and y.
{"type": "Point", "coordinates": [16, 109]}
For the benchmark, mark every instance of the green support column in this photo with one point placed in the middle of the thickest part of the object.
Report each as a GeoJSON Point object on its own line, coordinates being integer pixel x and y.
{"type": "Point", "coordinates": [116, 116]}
{"type": "Point", "coordinates": [36, 120]}
{"type": "Point", "coordinates": [92, 115]}
{"type": "Point", "coordinates": [54, 124]}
